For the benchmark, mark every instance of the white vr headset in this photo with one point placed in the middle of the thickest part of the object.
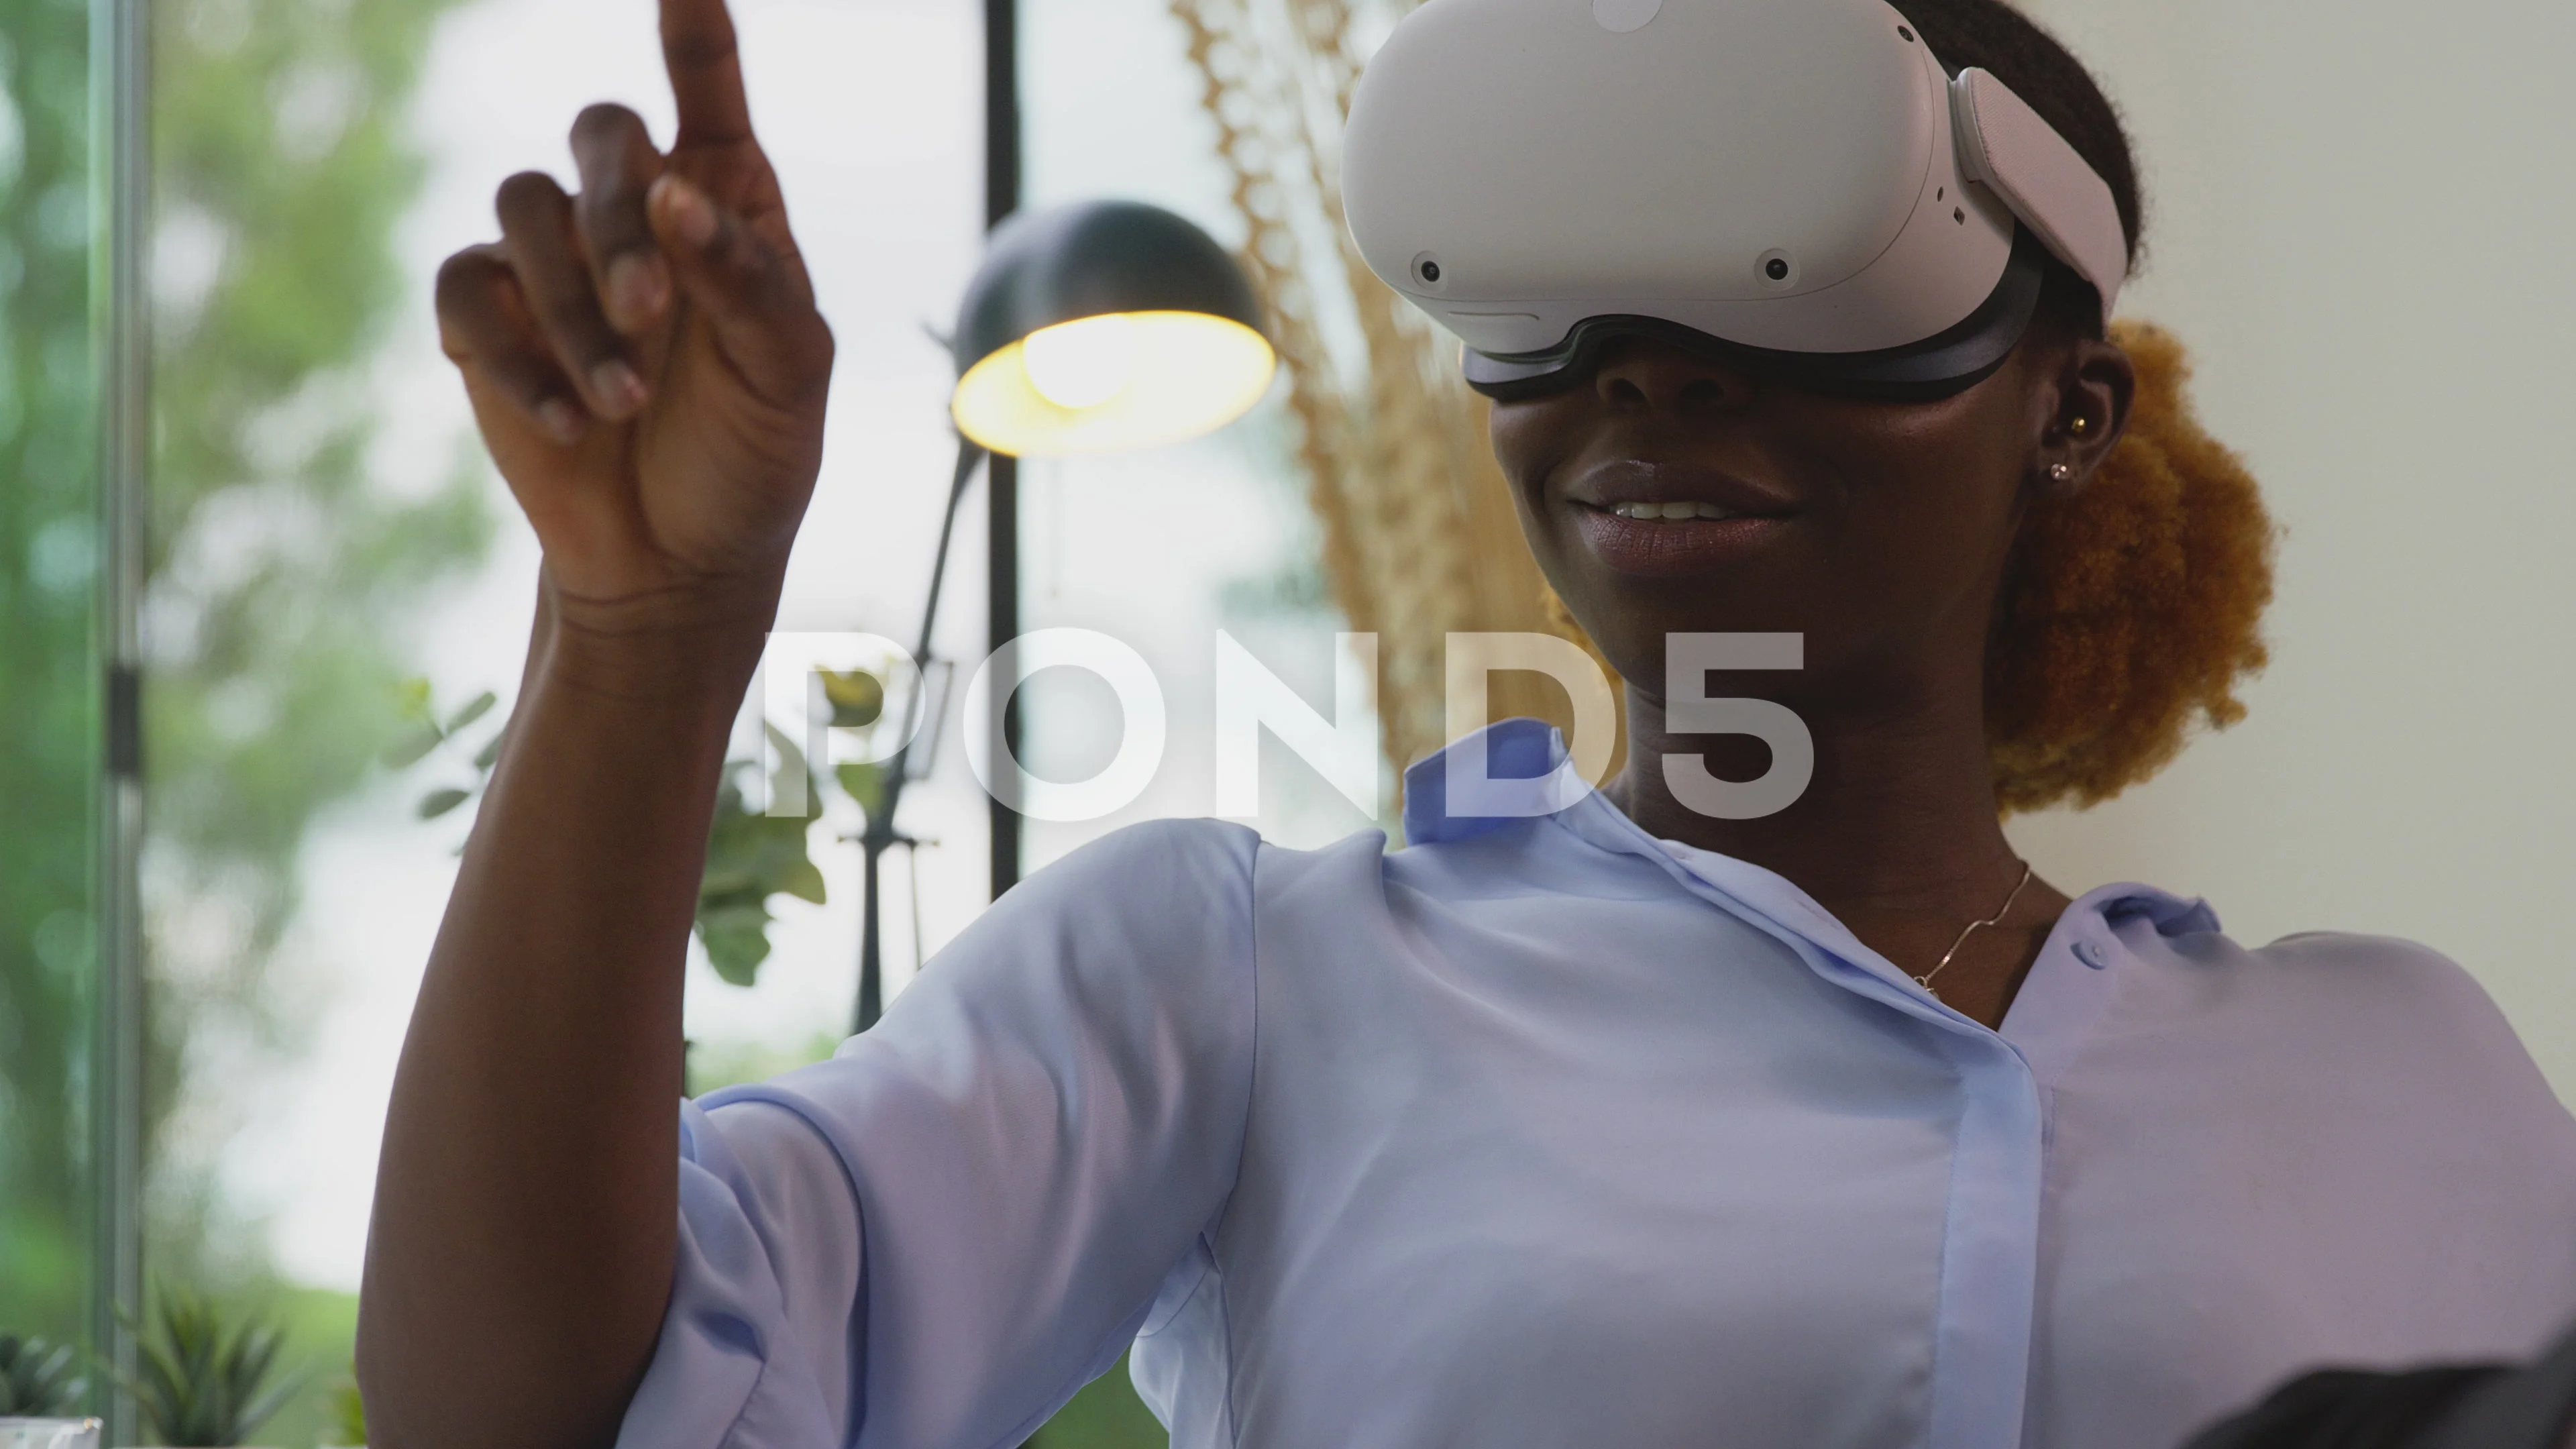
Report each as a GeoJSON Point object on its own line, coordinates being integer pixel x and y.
{"type": "Point", "coordinates": [1792, 184]}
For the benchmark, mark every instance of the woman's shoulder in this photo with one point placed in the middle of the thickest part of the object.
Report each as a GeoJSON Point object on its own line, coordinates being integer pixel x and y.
{"type": "Point", "coordinates": [1142, 863]}
{"type": "Point", "coordinates": [2359, 961]}
{"type": "Point", "coordinates": [1133, 949]}
{"type": "Point", "coordinates": [1182, 890]}
{"type": "Point", "coordinates": [2389, 972]}
{"type": "Point", "coordinates": [2406, 1010]}
{"type": "Point", "coordinates": [1142, 874]}
{"type": "Point", "coordinates": [1155, 912]}
{"type": "Point", "coordinates": [2348, 965]}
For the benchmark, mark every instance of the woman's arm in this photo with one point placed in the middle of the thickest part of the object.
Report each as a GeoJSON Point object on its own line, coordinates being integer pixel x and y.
{"type": "Point", "coordinates": [525, 1206]}
{"type": "Point", "coordinates": [648, 370]}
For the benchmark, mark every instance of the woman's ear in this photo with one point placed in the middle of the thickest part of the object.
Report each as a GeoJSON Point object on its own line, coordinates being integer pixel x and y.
{"type": "Point", "coordinates": [2087, 399]}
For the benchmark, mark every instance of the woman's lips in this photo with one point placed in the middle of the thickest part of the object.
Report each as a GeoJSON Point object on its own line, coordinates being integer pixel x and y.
{"type": "Point", "coordinates": [1673, 548]}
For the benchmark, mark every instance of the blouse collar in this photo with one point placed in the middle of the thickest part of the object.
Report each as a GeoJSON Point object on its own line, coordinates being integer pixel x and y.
{"type": "Point", "coordinates": [1526, 763]}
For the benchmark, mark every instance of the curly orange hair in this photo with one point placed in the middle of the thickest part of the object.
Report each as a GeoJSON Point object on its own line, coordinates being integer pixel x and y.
{"type": "Point", "coordinates": [2132, 608]}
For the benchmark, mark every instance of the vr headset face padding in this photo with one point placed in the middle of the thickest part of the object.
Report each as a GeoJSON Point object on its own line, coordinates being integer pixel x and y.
{"type": "Point", "coordinates": [1796, 183]}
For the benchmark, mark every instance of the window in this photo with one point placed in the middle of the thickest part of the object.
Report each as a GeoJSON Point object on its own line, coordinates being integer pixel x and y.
{"type": "Point", "coordinates": [52, 547]}
{"type": "Point", "coordinates": [338, 578]}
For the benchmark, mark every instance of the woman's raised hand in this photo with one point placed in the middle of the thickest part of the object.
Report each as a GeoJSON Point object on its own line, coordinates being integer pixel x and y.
{"type": "Point", "coordinates": [649, 371]}
{"type": "Point", "coordinates": [645, 359]}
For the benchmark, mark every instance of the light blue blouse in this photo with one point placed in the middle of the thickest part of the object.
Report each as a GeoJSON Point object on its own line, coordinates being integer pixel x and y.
{"type": "Point", "coordinates": [1543, 1132]}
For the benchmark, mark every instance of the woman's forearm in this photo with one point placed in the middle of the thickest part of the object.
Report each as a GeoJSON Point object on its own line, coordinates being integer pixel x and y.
{"type": "Point", "coordinates": [650, 375]}
{"type": "Point", "coordinates": [526, 1205]}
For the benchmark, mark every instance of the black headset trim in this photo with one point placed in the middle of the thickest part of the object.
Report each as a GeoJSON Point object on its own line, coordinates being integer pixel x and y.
{"type": "Point", "coordinates": [1939, 366]}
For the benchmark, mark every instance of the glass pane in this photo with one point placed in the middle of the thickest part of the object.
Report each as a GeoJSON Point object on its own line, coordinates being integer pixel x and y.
{"type": "Point", "coordinates": [50, 670]}
{"type": "Point", "coordinates": [339, 577]}
{"type": "Point", "coordinates": [286, 568]}
{"type": "Point", "coordinates": [1164, 549]}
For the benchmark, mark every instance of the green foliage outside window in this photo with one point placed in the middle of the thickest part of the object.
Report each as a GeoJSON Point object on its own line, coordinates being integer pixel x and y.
{"type": "Point", "coordinates": [49, 688]}
{"type": "Point", "coordinates": [281, 576]}
{"type": "Point", "coordinates": [1105, 1415]}
{"type": "Point", "coordinates": [38, 1379]}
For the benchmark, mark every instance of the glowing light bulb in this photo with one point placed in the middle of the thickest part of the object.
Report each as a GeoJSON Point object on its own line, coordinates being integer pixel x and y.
{"type": "Point", "coordinates": [1113, 384]}
{"type": "Point", "coordinates": [1079, 365]}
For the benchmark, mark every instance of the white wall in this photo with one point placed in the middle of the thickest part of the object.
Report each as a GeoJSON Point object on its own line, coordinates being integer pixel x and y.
{"type": "Point", "coordinates": [1149, 547]}
{"type": "Point", "coordinates": [2359, 222]}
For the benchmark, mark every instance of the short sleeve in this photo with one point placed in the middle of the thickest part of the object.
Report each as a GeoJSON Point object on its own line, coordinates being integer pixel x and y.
{"type": "Point", "coordinates": [939, 1235]}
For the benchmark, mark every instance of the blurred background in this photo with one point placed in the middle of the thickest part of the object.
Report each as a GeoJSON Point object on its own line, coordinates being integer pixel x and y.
{"type": "Point", "coordinates": [2356, 216]}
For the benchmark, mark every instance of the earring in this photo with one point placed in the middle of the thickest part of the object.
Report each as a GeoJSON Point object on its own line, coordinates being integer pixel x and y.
{"type": "Point", "coordinates": [2060, 472]}
{"type": "Point", "coordinates": [2080, 426]}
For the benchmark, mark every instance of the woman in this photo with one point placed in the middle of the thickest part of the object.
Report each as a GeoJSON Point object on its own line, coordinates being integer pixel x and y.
{"type": "Point", "coordinates": [1624, 1125]}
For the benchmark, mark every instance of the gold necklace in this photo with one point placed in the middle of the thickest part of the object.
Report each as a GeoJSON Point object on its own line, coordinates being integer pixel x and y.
{"type": "Point", "coordinates": [1925, 980]}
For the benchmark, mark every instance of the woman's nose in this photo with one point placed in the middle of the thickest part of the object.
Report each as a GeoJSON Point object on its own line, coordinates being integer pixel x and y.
{"type": "Point", "coordinates": [1641, 372]}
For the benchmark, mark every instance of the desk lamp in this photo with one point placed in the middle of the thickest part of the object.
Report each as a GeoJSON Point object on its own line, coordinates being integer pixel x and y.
{"type": "Point", "coordinates": [1102, 327]}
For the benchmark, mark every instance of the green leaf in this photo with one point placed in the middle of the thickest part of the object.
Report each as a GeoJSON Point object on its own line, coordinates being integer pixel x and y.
{"type": "Point", "coordinates": [751, 858]}
{"type": "Point", "coordinates": [490, 754]}
{"type": "Point", "coordinates": [348, 1415]}
{"type": "Point", "coordinates": [790, 757]}
{"type": "Point", "coordinates": [481, 706]}
{"type": "Point", "coordinates": [857, 698]}
{"type": "Point", "coordinates": [736, 914]}
{"type": "Point", "coordinates": [730, 875]}
{"type": "Point", "coordinates": [735, 952]}
{"type": "Point", "coordinates": [411, 696]}
{"type": "Point", "coordinates": [36, 1378]}
{"type": "Point", "coordinates": [202, 1380]}
{"type": "Point", "coordinates": [752, 852]}
{"type": "Point", "coordinates": [726, 877]}
{"type": "Point", "coordinates": [782, 845]}
{"type": "Point", "coordinates": [264, 1408]}
{"type": "Point", "coordinates": [804, 881]}
{"type": "Point", "coordinates": [413, 748]}
{"type": "Point", "coordinates": [440, 802]}
{"type": "Point", "coordinates": [791, 768]}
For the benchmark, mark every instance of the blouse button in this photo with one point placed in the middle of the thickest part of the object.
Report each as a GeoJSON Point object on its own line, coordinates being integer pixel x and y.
{"type": "Point", "coordinates": [2091, 955]}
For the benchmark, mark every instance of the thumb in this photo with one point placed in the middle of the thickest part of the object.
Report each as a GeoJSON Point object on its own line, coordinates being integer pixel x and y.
{"type": "Point", "coordinates": [755, 298]}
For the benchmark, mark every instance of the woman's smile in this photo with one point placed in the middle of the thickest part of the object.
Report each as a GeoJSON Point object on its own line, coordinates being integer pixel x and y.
{"type": "Point", "coordinates": [1668, 519]}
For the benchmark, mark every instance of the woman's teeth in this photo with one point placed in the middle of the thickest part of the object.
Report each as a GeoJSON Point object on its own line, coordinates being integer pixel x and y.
{"type": "Point", "coordinates": [1672, 512]}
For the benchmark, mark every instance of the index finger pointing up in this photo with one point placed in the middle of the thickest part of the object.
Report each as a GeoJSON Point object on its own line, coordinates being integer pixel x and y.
{"type": "Point", "coordinates": [706, 72]}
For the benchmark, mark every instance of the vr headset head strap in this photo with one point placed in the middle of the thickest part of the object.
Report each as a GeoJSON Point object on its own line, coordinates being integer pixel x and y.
{"type": "Point", "coordinates": [2006, 146]}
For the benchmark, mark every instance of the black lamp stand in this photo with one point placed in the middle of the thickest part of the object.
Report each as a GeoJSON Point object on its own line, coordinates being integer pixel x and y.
{"type": "Point", "coordinates": [1002, 480]}
{"type": "Point", "coordinates": [880, 835]}
{"type": "Point", "coordinates": [1002, 535]}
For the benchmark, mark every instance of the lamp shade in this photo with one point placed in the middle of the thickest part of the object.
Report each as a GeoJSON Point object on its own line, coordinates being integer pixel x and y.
{"type": "Point", "coordinates": [1106, 327]}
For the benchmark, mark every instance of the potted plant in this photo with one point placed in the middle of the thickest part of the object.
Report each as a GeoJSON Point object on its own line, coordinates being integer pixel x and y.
{"type": "Point", "coordinates": [36, 1379]}
{"type": "Point", "coordinates": [204, 1381]}
{"type": "Point", "coordinates": [348, 1418]}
